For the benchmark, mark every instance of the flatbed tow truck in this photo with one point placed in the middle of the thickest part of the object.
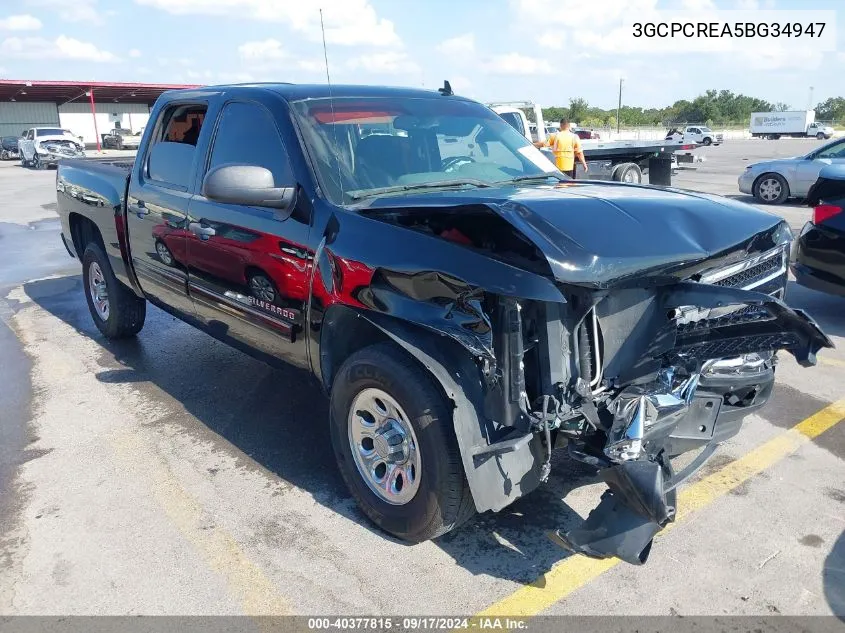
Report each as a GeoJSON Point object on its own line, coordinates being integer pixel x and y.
{"type": "Point", "coordinates": [622, 161]}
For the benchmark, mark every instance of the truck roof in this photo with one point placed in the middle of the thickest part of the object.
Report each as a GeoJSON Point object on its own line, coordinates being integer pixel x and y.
{"type": "Point", "coordinates": [295, 92]}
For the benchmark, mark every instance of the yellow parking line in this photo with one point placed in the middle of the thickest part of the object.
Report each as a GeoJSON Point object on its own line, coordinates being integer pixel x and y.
{"type": "Point", "coordinates": [833, 362]}
{"type": "Point", "coordinates": [576, 571]}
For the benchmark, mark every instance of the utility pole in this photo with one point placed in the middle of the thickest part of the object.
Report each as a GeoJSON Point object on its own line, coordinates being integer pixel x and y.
{"type": "Point", "coordinates": [619, 107]}
{"type": "Point", "coordinates": [810, 100]}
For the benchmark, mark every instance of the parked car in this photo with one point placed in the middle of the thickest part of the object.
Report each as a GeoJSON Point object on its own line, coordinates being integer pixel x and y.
{"type": "Point", "coordinates": [818, 258]}
{"type": "Point", "coordinates": [44, 146]}
{"type": "Point", "coordinates": [586, 134]}
{"type": "Point", "coordinates": [121, 138]}
{"type": "Point", "coordinates": [775, 181]}
{"type": "Point", "coordinates": [466, 315]}
{"type": "Point", "coordinates": [9, 148]}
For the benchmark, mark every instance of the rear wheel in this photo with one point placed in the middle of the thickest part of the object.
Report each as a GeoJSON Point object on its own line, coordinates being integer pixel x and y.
{"type": "Point", "coordinates": [771, 189]}
{"type": "Point", "coordinates": [628, 172]}
{"type": "Point", "coordinates": [116, 310]}
{"type": "Point", "coordinates": [391, 429]}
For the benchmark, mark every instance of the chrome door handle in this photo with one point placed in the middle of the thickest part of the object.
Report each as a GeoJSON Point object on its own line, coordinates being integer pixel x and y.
{"type": "Point", "coordinates": [139, 209]}
{"type": "Point", "coordinates": [201, 231]}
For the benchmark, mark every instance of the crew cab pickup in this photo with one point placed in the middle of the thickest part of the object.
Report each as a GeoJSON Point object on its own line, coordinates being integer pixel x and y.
{"type": "Point", "coordinates": [466, 307]}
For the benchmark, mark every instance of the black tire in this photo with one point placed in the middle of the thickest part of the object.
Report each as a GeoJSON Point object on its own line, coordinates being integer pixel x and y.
{"type": "Point", "coordinates": [126, 310]}
{"type": "Point", "coordinates": [36, 162]}
{"type": "Point", "coordinates": [261, 287]}
{"type": "Point", "coordinates": [164, 254]}
{"type": "Point", "coordinates": [707, 141]}
{"type": "Point", "coordinates": [760, 184]}
{"type": "Point", "coordinates": [628, 172]}
{"type": "Point", "coordinates": [820, 136]}
{"type": "Point", "coordinates": [443, 500]}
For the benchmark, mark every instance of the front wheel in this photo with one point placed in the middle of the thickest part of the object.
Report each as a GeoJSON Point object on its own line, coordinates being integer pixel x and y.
{"type": "Point", "coordinates": [771, 189]}
{"type": "Point", "coordinates": [820, 136]}
{"type": "Point", "coordinates": [392, 434]}
{"type": "Point", "coordinates": [707, 141]}
{"type": "Point", "coordinates": [116, 310]}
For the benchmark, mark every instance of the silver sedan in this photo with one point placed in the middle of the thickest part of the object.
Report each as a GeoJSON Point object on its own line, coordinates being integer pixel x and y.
{"type": "Point", "coordinates": [775, 181]}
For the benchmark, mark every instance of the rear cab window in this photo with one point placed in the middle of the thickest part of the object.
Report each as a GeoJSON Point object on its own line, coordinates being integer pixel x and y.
{"type": "Point", "coordinates": [170, 158]}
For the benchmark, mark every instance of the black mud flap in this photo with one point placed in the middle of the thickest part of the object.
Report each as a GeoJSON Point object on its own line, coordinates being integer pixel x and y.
{"type": "Point", "coordinates": [634, 509]}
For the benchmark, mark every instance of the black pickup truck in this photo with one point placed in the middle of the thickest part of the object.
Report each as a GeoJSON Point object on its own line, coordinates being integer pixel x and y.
{"type": "Point", "coordinates": [466, 307]}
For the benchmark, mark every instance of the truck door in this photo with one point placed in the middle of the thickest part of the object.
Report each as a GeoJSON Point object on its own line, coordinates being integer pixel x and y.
{"type": "Point", "coordinates": [157, 205]}
{"type": "Point", "coordinates": [244, 282]}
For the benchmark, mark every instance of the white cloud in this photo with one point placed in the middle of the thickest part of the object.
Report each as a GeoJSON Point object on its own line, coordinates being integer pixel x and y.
{"type": "Point", "coordinates": [134, 53]}
{"type": "Point", "coordinates": [459, 45]}
{"type": "Point", "coordinates": [72, 10]}
{"type": "Point", "coordinates": [20, 23]}
{"type": "Point", "coordinates": [312, 65]}
{"type": "Point", "coordinates": [697, 5]}
{"type": "Point", "coordinates": [347, 22]}
{"type": "Point", "coordinates": [389, 62]}
{"type": "Point", "coordinates": [518, 64]}
{"type": "Point", "coordinates": [62, 47]}
{"type": "Point", "coordinates": [553, 40]}
{"type": "Point", "coordinates": [268, 50]}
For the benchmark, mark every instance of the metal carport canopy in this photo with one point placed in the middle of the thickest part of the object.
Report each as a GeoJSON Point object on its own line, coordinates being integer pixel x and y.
{"type": "Point", "coordinates": [60, 92]}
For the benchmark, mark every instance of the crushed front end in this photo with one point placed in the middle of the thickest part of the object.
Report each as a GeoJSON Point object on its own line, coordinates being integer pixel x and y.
{"type": "Point", "coordinates": [631, 377]}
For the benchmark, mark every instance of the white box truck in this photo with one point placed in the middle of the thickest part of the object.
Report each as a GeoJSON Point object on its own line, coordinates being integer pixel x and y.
{"type": "Point", "coordinates": [800, 123]}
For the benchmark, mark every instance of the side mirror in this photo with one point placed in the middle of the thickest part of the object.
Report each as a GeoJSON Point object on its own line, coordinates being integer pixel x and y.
{"type": "Point", "coordinates": [249, 185]}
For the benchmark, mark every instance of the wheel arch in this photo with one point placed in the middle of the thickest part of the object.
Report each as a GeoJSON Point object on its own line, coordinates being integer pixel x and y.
{"type": "Point", "coordinates": [83, 231]}
{"type": "Point", "coordinates": [495, 482]}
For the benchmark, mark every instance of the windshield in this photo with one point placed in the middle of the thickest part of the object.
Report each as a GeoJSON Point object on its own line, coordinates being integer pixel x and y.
{"type": "Point", "coordinates": [51, 131]}
{"type": "Point", "coordinates": [362, 145]}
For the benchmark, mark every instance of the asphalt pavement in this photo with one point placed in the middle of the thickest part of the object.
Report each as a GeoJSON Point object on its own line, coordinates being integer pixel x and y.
{"type": "Point", "coordinates": [173, 475]}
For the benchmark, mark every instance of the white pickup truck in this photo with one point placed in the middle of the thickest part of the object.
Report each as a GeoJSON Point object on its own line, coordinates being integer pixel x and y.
{"type": "Point", "coordinates": [43, 146]}
{"type": "Point", "coordinates": [698, 134]}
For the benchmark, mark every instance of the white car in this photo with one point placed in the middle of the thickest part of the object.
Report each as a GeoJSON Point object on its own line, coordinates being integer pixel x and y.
{"type": "Point", "coordinates": [43, 146]}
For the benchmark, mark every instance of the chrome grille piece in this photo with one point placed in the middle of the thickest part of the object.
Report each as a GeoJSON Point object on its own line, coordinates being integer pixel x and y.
{"type": "Point", "coordinates": [750, 273]}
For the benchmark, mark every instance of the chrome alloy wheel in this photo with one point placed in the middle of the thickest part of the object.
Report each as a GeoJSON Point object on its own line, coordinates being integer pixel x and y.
{"type": "Point", "coordinates": [262, 288]}
{"type": "Point", "coordinates": [164, 254]}
{"type": "Point", "coordinates": [770, 189]}
{"type": "Point", "coordinates": [384, 446]}
{"type": "Point", "coordinates": [99, 291]}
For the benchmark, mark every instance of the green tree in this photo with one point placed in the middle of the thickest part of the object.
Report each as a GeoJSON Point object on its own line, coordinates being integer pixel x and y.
{"type": "Point", "coordinates": [578, 109]}
{"type": "Point", "coordinates": [832, 109]}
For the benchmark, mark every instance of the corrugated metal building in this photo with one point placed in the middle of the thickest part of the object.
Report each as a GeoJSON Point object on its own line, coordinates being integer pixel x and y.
{"type": "Point", "coordinates": [81, 107]}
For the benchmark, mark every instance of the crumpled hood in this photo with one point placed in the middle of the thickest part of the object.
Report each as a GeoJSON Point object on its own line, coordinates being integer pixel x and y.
{"type": "Point", "coordinates": [42, 140]}
{"type": "Point", "coordinates": [599, 234]}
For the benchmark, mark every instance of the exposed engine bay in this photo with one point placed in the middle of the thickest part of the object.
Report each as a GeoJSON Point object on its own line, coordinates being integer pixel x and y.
{"type": "Point", "coordinates": [626, 377]}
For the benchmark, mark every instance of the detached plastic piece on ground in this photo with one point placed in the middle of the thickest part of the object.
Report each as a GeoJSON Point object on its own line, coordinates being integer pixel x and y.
{"type": "Point", "coordinates": [628, 516]}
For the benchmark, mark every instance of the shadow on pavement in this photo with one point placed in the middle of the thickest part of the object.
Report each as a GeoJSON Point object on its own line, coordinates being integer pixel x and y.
{"type": "Point", "coordinates": [278, 419]}
{"type": "Point", "coordinates": [833, 578]}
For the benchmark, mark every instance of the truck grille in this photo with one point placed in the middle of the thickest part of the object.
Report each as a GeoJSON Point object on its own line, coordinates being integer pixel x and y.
{"type": "Point", "coordinates": [750, 273]}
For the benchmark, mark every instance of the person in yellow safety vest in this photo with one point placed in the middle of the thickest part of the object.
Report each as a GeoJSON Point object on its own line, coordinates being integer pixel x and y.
{"type": "Point", "coordinates": [566, 146]}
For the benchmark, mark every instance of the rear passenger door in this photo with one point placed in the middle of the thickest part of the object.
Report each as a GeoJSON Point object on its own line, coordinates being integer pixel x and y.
{"type": "Point", "coordinates": [157, 205]}
{"type": "Point", "coordinates": [249, 266]}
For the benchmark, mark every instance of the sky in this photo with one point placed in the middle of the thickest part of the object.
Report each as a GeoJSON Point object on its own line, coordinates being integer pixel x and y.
{"type": "Point", "coordinates": [544, 51]}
